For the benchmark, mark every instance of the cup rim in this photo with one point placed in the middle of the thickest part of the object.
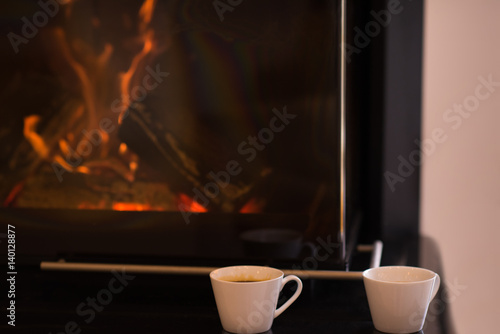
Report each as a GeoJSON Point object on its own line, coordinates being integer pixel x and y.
{"type": "Point", "coordinates": [213, 274]}
{"type": "Point", "coordinates": [367, 271]}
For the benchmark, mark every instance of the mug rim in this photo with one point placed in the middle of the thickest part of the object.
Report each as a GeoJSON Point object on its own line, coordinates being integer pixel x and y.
{"type": "Point", "coordinates": [388, 268]}
{"type": "Point", "coordinates": [275, 270]}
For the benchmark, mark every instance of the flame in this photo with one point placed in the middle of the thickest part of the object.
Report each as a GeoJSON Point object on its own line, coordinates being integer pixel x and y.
{"type": "Point", "coordinates": [37, 142]}
{"type": "Point", "coordinates": [127, 76]}
{"type": "Point", "coordinates": [145, 16]}
{"type": "Point", "coordinates": [146, 13]}
{"type": "Point", "coordinates": [190, 205]}
{"type": "Point", "coordinates": [64, 146]}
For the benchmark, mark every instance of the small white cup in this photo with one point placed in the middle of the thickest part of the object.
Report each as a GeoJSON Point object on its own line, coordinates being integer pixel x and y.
{"type": "Point", "coordinates": [399, 297]}
{"type": "Point", "coordinates": [247, 296]}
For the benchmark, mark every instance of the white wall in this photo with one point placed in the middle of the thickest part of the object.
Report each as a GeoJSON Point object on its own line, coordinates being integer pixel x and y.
{"type": "Point", "coordinates": [461, 178]}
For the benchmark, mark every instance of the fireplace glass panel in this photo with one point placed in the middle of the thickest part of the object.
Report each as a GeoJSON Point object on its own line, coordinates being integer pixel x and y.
{"type": "Point", "coordinates": [192, 107]}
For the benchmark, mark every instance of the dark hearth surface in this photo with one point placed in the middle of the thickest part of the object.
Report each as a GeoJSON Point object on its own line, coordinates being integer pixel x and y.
{"type": "Point", "coordinates": [120, 302]}
{"type": "Point", "coordinates": [62, 302]}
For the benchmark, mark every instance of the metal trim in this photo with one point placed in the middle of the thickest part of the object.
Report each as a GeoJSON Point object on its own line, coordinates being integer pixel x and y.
{"type": "Point", "coordinates": [343, 126]}
{"type": "Point", "coordinates": [62, 265]}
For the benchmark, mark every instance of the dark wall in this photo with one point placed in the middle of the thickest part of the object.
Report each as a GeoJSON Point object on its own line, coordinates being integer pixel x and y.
{"type": "Point", "coordinates": [402, 123]}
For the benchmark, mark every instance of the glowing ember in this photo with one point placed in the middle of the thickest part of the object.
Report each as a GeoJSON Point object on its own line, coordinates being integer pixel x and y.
{"type": "Point", "coordinates": [123, 206]}
{"type": "Point", "coordinates": [190, 205]}
{"type": "Point", "coordinates": [253, 206]}
{"type": "Point", "coordinates": [13, 194]}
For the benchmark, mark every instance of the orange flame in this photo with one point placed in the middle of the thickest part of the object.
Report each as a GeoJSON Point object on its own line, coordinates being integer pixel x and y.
{"type": "Point", "coordinates": [37, 142]}
{"type": "Point", "coordinates": [146, 13]}
{"type": "Point", "coordinates": [145, 16]}
{"type": "Point", "coordinates": [190, 205]}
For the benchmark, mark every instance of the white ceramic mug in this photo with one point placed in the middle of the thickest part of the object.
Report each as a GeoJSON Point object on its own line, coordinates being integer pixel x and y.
{"type": "Point", "coordinates": [399, 297]}
{"type": "Point", "coordinates": [247, 296]}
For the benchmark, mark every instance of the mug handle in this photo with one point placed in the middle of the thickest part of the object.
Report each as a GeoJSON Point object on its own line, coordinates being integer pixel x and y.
{"type": "Point", "coordinates": [435, 289]}
{"type": "Point", "coordinates": [293, 297]}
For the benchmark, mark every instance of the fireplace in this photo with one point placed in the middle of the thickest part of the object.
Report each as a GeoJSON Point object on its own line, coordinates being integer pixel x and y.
{"type": "Point", "coordinates": [166, 131]}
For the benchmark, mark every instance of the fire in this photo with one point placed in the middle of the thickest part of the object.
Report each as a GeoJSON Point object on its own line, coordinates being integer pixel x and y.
{"type": "Point", "coordinates": [30, 124]}
{"type": "Point", "coordinates": [190, 205]}
{"type": "Point", "coordinates": [147, 34]}
{"type": "Point", "coordinates": [146, 13]}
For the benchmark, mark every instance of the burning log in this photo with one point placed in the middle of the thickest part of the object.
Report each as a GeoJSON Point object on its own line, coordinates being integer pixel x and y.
{"type": "Point", "coordinates": [42, 138]}
{"type": "Point", "coordinates": [205, 171]}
